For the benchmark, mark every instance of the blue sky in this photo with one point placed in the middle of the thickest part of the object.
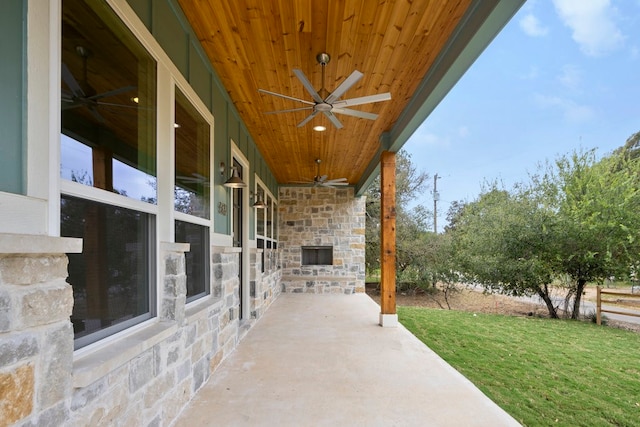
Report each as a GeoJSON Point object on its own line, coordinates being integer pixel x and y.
{"type": "Point", "coordinates": [562, 75]}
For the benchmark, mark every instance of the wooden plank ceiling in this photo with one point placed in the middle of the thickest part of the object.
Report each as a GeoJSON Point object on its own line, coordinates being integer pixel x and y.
{"type": "Point", "coordinates": [255, 44]}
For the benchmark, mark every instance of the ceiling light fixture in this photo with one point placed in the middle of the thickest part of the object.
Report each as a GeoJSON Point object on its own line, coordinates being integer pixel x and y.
{"type": "Point", "coordinates": [319, 128]}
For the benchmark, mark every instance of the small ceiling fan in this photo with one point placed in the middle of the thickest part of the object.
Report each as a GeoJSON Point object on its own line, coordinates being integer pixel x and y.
{"type": "Point", "coordinates": [331, 103]}
{"type": "Point", "coordinates": [322, 181]}
{"type": "Point", "coordinates": [81, 94]}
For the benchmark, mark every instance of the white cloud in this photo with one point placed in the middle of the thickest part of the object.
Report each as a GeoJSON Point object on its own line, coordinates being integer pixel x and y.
{"type": "Point", "coordinates": [571, 110]}
{"type": "Point", "coordinates": [592, 23]}
{"type": "Point", "coordinates": [571, 76]}
{"type": "Point", "coordinates": [423, 138]}
{"type": "Point", "coordinates": [533, 73]}
{"type": "Point", "coordinates": [531, 26]}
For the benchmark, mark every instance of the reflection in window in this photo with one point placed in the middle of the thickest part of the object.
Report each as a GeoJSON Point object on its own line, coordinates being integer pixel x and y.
{"type": "Point", "coordinates": [260, 212]}
{"type": "Point", "coordinates": [108, 124]}
{"type": "Point", "coordinates": [192, 159]}
{"type": "Point", "coordinates": [196, 260]}
{"type": "Point", "coordinates": [111, 277]}
{"type": "Point", "coordinates": [108, 103]}
{"type": "Point", "coordinates": [269, 215]}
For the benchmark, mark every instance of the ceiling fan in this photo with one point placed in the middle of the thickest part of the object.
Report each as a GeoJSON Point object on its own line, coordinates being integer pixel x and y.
{"type": "Point", "coordinates": [322, 181]}
{"type": "Point", "coordinates": [81, 94]}
{"type": "Point", "coordinates": [331, 103]}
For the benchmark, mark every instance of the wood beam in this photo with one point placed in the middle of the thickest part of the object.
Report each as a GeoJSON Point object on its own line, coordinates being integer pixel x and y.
{"type": "Point", "coordinates": [388, 233]}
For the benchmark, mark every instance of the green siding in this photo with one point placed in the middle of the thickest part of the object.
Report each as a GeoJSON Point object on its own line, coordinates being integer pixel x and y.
{"type": "Point", "coordinates": [142, 8]}
{"type": "Point", "coordinates": [12, 95]}
{"type": "Point", "coordinates": [199, 76]}
{"type": "Point", "coordinates": [170, 34]}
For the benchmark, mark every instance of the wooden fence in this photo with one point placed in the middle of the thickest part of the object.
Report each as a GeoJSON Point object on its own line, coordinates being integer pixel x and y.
{"type": "Point", "coordinates": [599, 302]}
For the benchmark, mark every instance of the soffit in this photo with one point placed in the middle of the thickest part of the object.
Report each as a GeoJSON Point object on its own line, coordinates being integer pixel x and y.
{"type": "Point", "coordinates": [256, 44]}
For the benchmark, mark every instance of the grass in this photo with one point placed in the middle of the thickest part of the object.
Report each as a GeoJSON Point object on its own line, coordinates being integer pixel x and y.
{"type": "Point", "coordinates": [543, 372]}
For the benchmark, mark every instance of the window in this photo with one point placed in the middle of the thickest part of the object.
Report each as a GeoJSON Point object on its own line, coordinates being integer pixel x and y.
{"type": "Point", "coordinates": [191, 193]}
{"type": "Point", "coordinates": [317, 255]}
{"type": "Point", "coordinates": [112, 277]}
{"type": "Point", "coordinates": [192, 159]}
{"type": "Point", "coordinates": [260, 213]}
{"type": "Point", "coordinates": [108, 144]}
{"type": "Point", "coordinates": [266, 227]}
{"type": "Point", "coordinates": [197, 259]}
{"type": "Point", "coordinates": [269, 215]}
{"type": "Point", "coordinates": [108, 103]}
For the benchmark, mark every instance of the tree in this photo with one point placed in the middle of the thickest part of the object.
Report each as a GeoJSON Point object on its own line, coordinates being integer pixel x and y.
{"type": "Point", "coordinates": [597, 204]}
{"type": "Point", "coordinates": [410, 223]}
{"type": "Point", "coordinates": [577, 217]}
{"type": "Point", "coordinates": [499, 242]}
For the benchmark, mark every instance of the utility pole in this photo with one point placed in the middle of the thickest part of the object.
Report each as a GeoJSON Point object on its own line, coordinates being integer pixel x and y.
{"type": "Point", "coordinates": [436, 197]}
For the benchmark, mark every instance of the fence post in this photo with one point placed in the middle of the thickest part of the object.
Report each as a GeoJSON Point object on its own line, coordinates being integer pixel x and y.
{"type": "Point", "coordinates": [598, 306]}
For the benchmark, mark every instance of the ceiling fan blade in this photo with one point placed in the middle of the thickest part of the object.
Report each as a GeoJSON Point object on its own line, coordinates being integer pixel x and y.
{"type": "Point", "coordinates": [113, 92]}
{"type": "Point", "coordinates": [309, 117]}
{"type": "Point", "coordinates": [112, 104]}
{"type": "Point", "coordinates": [363, 100]}
{"type": "Point", "coordinates": [355, 113]}
{"type": "Point", "coordinates": [333, 119]}
{"type": "Point", "coordinates": [96, 114]}
{"type": "Point", "coordinates": [71, 82]}
{"type": "Point", "coordinates": [336, 180]}
{"type": "Point", "coordinates": [323, 178]}
{"type": "Point", "coordinates": [286, 97]}
{"type": "Point", "coordinates": [333, 184]}
{"type": "Point", "coordinates": [289, 111]}
{"type": "Point", "coordinates": [70, 105]}
{"type": "Point", "coordinates": [307, 85]}
{"type": "Point", "coordinates": [344, 86]}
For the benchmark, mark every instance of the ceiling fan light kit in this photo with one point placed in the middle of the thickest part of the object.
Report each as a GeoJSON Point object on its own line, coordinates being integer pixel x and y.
{"type": "Point", "coordinates": [322, 181]}
{"type": "Point", "coordinates": [331, 104]}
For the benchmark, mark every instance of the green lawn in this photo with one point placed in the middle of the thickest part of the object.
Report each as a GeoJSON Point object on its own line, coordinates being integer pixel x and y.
{"type": "Point", "coordinates": [543, 372]}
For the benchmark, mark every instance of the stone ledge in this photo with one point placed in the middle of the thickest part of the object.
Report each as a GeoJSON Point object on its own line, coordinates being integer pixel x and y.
{"type": "Point", "coordinates": [194, 309]}
{"type": "Point", "coordinates": [225, 249]}
{"type": "Point", "coordinates": [111, 354]}
{"type": "Point", "coordinates": [38, 244]}
{"type": "Point", "coordinates": [318, 278]}
{"type": "Point", "coordinates": [175, 247]}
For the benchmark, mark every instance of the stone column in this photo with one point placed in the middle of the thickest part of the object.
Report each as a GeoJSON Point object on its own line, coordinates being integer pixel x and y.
{"type": "Point", "coordinates": [36, 335]}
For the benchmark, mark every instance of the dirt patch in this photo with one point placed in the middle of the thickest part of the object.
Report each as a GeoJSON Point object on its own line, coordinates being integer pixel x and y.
{"type": "Point", "coordinates": [476, 301]}
{"type": "Point", "coordinates": [466, 300]}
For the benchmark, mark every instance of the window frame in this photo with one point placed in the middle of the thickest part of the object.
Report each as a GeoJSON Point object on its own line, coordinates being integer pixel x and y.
{"type": "Point", "coordinates": [168, 76]}
{"type": "Point", "coordinates": [206, 223]}
{"type": "Point", "coordinates": [268, 241]}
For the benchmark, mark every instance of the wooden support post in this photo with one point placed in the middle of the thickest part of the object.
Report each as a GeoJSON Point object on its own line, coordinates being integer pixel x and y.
{"type": "Point", "coordinates": [598, 306]}
{"type": "Point", "coordinates": [388, 316]}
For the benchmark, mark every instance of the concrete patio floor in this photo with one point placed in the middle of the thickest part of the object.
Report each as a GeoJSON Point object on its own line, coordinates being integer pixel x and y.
{"type": "Point", "coordinates": [322, 360]}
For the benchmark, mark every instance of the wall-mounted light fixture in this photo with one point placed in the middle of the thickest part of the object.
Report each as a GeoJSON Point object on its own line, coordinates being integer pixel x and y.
{"type": "Point", "coordinates": [259, 203]}
{"type": "Point", "coordinates": [234, 180]}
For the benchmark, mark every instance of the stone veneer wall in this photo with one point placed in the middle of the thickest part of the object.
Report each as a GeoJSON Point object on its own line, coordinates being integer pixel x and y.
{"type": "Point", "coordinates": [265, 286]}
{"type": "Point", "coordinates": [146, 378]}
{"type": "Point", "coordinates": [322, 216]}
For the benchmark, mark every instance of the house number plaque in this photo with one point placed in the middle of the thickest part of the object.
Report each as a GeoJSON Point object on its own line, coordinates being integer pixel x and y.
{"type": "Point", "coordinates": [222, 208]}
